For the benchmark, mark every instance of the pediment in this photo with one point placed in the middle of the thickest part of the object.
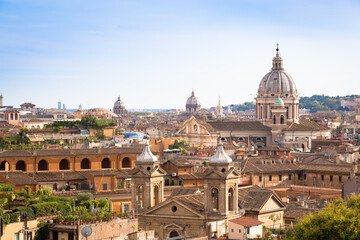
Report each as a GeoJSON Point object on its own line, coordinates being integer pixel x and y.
{"type": "Point", "coordinates": [232, 173]}
{"type": "Point", "coordinates": [272, 204]}
{"type": "Point", "coordinates": [167, 210]}
{"type": "Point", "coordinates": [188, 127]}
{"type": "Point", "coordinates": [174, 226]}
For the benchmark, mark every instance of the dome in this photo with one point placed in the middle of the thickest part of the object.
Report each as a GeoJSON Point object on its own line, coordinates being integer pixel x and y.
{"type": "Point", "coordinates": [277, 81]}
{"type": "Point", "coordinates": [118, 103]}
{"type": "Point", "coordinates": [220, 155]}
{"type": "Point", "coordinates": [192, 100]}
{"type": "Point", "coordinates": [279, 101]}
{"type": "Point", "coordinates": [146, 155]}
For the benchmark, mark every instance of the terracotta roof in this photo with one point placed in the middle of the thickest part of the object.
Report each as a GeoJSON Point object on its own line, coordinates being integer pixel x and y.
{"type": "Point", "coordinates": [179, 162]}
{"type": "Point", "coordinates": [201, 121]}
{"type": "Point", "coordinates": [19, 178]}
{"type": "Point", "coordinates": [69, 152]}
{"type": "Point", "coordinates": [274, 148]}
{"type": "Point", "coordinates": [306, 126]}
{"type": "Point", "coordinates": [56, 176]}
{"type": "Point", "coordinates": [246, 221]}
{"type": "Point", "coordinates": [111, 172]}
{"type": "Point", "coordinates": [255, 199]}
{"type": "Point", "coordinates": [184, 191]}
{"type": "Point", "coordinates": [239, 126]}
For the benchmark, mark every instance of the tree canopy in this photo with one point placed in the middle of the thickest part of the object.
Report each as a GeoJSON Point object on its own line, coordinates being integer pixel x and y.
{"type": "Point", "coordinates": [339, 220]}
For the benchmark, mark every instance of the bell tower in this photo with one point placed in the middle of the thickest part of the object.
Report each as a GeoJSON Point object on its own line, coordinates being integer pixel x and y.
{"type": "Point", "coordinates": [221, 184]}
{"type": "Point", "coordinates": [147, 181]}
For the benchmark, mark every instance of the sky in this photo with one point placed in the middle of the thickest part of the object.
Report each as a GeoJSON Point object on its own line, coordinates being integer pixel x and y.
{"type": "Point", "coordinates": [153, 53]}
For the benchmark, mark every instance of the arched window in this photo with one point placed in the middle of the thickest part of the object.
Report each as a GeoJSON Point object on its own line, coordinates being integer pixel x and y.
{"type": "Point", "coordinates": [173, 234]}
{"type": "Point", "coordinates": [4, 166]}
{"type": "Point", "coordinates": [140, 192]}
{"type": "Point", "coordinates": [261, 111]}
{"type": "Point", "coordinates": [20, 165]}
{"type": "Point", "coordinates": [43, 165]}
{"type": "Point", "coordinates": [231, 199]}
{"type": "Point", "coordinates": [274, 120]}
{"type": "Point", "coordinates": [282, 119]}
{"type": "Point", "coordinates": [85, 164]}
{"type": "Point", "coordinates": [126, 163]}
{"type": "Point", "coordinates": [64, 164]}
{"type": "Point", "coordinates": [215, 199]}
{"type": "Point", "coordinates": [156, 195]}
{"type": "Point", "coordinates": [105, 163]}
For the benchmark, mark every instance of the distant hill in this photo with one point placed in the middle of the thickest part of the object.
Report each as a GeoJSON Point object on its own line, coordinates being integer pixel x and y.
{"type": "Point", "coordinates": [314, 103]}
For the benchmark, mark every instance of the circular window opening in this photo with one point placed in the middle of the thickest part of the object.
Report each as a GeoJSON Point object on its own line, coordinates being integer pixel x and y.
{"type": "Point", "coordinates": [223, 170]}
{"type": "Point", "coordinates": [174, 208]}
{"type": "Point", "coordinates": [148, 168]}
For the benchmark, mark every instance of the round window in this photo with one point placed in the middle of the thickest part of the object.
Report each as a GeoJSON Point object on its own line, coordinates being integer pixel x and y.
{"type": "Point", "coordinates": [223, 170]}
{"type": "Point", "coordinates": [148, 168]}
{"type": "Point", "coordinates": [174, 208]}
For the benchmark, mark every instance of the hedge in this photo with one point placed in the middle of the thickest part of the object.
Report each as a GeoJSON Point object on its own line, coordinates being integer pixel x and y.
{"type": "Point", "coordinates": [10, 218]}
{"type": "Point", "coordinates": [46, 208]}
{"type": "Point", "coordinates": [6, 187]}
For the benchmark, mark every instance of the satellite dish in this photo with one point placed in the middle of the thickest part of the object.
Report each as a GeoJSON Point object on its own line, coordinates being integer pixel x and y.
{"type": "Point", "coordinates": [86, 231]}
{"type": "Point", "coordinates": [242, 212]}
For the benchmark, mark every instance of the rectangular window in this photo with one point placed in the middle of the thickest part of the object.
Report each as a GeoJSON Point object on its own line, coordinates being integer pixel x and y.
{"type": "Point", "coordinates": [322, 177]}
{"type": "Point", "coordinates": [280, 177]}
{"type": "Point", "coordinates": [340, 178]}
{"type": "Point", "coordinates": [232, 230]}
{"type": "Point", "coordinates": [299, 176]}
{"type": "Point", "coordinates": [270, 178]}
{"type": "Point", "coordinates": [16, 237]}
{"type": "Point", "coordinates": [331, 178]}
{"type": "Point", "coordinates": [104, 186]}
{"type": "Point", "coordinates": [126, 208]}
{"type": "Point", "coordinates": [184, 170]}
{"type": "Point", "coordinates": [239, 230]}
{"type": "Point", "coordinates": [314, 181]}
{"type": "Point", "coordinates": [304, 176]}
{"type": "Point", "coordinates": [260, 178]}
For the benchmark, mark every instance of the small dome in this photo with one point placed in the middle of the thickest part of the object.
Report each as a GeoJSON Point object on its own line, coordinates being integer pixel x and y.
{"type": "Point", "coordinates": [193, 101]}
{"type": "Point", "coordinates": [220, 155]}
{"type": "Point", "coordinates": [279, 101]}
{"type": "Point", "coordinates": [118, 103]}
{"type": "Point", "coordinates": [146, 155]}
{"type": "Point", "coordinates": [119, 107]}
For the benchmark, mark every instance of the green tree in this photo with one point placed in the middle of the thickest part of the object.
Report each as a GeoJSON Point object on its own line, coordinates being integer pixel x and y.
{"type": "Point", "coordinates": [339, 220]}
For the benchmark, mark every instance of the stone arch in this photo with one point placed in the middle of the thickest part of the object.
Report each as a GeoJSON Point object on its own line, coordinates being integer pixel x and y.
{"type": "Point", "coordinates": [282, 119]}
{"type": "Point", "coordinates": [5, 166]}
{"type": "Point", "coordinates": [215, 199]}
{"type": "Point", "coordinates": [274, 119]}
{"type": "Point", "coordinates": [231, 198]}
{"type": "Point", "coordinates": [106, 163]}
{"type": "Point", "coordinates": [173, 234]}
{"type": "Point", "coordinates": [20, 165]}
{"type": "Point", "coordinates": [85, 164]}
{"type": "Point", "coordinates": [43, 165]}
{"type": "Point", "coordinates": [126, 163]}
{"type": "Point", "coordinates": [64, 164]}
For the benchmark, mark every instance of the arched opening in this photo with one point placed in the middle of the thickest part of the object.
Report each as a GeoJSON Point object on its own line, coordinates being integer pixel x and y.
{"type": "Point", "coordinates": [20, 165]}
{"type": "Point", "coordinates": [215, 199]}
{"type": "Point", "coordinates": [85, 164]}
{"type": "Point", "coordinates": [64, 164]}
{"type": "Point", "coordinates": [140, 192]}
{"type": "Point", "coordinates": [274, 120]}
{"type": "Point", "coordinates": [156, 195]}
{"type": "Point", "coordinates": [43, 165]}
{"type": "Point", "coordinates": [231, 199]}
{"type": "Point", "coordinates": [174, 234]}
{"type": "Point", "coordinates": [4, 166]}
{"type": "Point", "coordinates": [105, 163]}
{"type": "Point", "coordinates": [126, 163]}
{"type": "Point", "coordinates": [261, 111]}
{"type": "Point", "coordinates": [282, 119]}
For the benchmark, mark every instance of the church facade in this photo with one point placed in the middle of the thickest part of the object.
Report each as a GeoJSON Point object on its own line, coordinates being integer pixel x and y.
{"type": "Point", "coordinates": [277, 119]}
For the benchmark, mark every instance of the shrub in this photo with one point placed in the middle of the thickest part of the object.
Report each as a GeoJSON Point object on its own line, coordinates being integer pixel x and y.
{"type": "Point", "coordinates": [84, 197]}
{"type": "Point", "coordinates": [104, 204]}
{"type": "Point", "coordinates": [46, 208]}
{"type": "Point", "coordinates": [6, 187]}
{"type": "Point", "coordinates": [22, 210]}
{"type": "Point", "coordinates": [10, 218]}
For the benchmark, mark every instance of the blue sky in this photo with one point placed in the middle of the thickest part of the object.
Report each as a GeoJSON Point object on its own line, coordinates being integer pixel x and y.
{"type": "Point", "coordinates": [153, 53]}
